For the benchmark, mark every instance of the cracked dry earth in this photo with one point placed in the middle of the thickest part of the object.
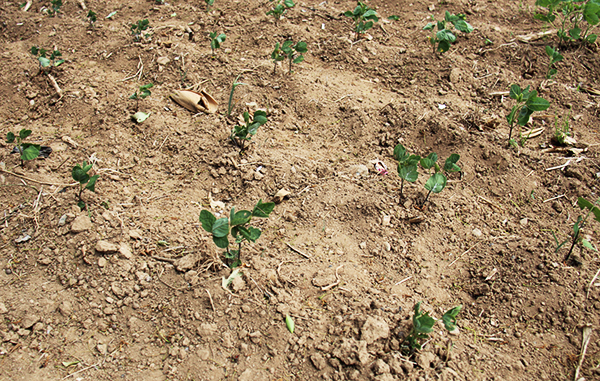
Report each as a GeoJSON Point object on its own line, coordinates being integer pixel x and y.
{"type": "Point", "coordinates": [131, 288]}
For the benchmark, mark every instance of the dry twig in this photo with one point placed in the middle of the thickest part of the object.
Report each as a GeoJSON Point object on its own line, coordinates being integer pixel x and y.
{"type": "Point", "coordinates": [298, 251]}
{"type": "Point", "coordinates": [211, 300]}
{"type": "Point", "coordinates": [337, 277]}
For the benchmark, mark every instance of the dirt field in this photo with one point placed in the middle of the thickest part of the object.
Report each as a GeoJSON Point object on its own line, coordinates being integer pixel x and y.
{"type": "Point", "coordinates": [131, 287]}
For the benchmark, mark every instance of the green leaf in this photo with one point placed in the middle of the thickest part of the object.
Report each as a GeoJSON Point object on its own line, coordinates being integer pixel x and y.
{"type": "Point", "coordinates": [537, 104]}
{"type": "Point", "coordinates": [289, 323]}
{"type": "Point", "coordinates": [400, 153]}
{"type": "Point", "coordinates": [429, 161]}
{"type": "Point", "coordinates": [515, 91]}
{"type": "Point", "coordinates": [45, 62]}
{"type": "Point", "coordinates": [10, 137]}
{"type": "Point", "coordinates": [240, 218]}
{"type": "Point", "coordinates": [591, 38]}
{"type": "Point", "coordinates": [393, 18]}
{"type": "Point", "coordinates": [221, 242]}
{"type": "Point", "coordinates": [207, 219]}
{"type": "Point", "coordinates": [408, 172]}
{"type": "Point", "coordinates": [524, 114]}
{"type": "Point", "coordinates": [24, 133]}
{"type": "Point", "coordinates": [443, 46]}
{"type": "Point", "coordinates": [140, 116]}
{"type": "Point", "coordinates": [429, 26]}
{"type": "Point", "coordinates": [422, 322]}
{"type": "Point", "coordinates": [445, 35]}
{"type": "Point", "coordinates": [220, 227]}
{"type": "Point", "coordinates": [436, 183]}
{"type": "Point", "coordinates": [463, 26]}
{"type": "Point", "coordinates": [79, 175]}
{"type": "Point", "coordinates": [301, 47]}
{"type": "Point", "coordinates": [298, 59]}
{"type": "Point", "coordinates": [450, 164]}
{"type": "Point", "coordinates": [254, 233]}
{"type": "Point", "coordinates": [585, 204]}
{"type": "Point", "coordinates": [413, 159]}
{"type": "Point", "coordinates": [510, 118]}
{"type": "Point", "coordinates": [91, 185]}
{"type": "Point", "coordinates": [288, 3]}
{"type": "Point", "coordinates": [590, 12]}
{"type": "Point", "coordinates": [81, 205]}
{"type": "Point", "coordinates": [263, 209]}
{"type": "Point", "coordinates": [587, 244]}
{"type": "Point", "coordinates": [31, 152]}
{"type": "Point", "coordinates": [575, 33]}
{"type": "Point", "coordinates": [449, 318]}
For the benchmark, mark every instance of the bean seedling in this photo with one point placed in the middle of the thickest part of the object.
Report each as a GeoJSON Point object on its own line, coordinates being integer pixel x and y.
{"type": "Point", "coordinates": [27, 151]}
{"type": "Point", "coordinates": [437, 182]}
{"type": "Point", "coordinates": [142, 93]}
{"type": "Point", "coordinates": [579, 225]}
{"type": "Point", "coordinates": [527, 103]}
{"type": "Point", "coordinates": [555, 57]}
{"type": "Point", "coordinates": [216, 41]}
{"type": "Point", "coordinates": [54, 7]}
{"type": "Point", "coordinates": [407, 166]}
{"type": "Point", "coordinates": [238, 226]}
{"type": "Point", "coordinates": [138, 28]}
{"type": "Point", "coordinates": [280, 8]}
{"type": "Point", "coordinates": [80, 174]}
{"type": "Point", "coordinates": [423, 325]}
{"type": "Point", "coordinates": [290, 51]}
{"type": "Point", "coordinates": [233, 86]}
{"type": "Point", "coordinates": [47, 63]}
{"type": "Point", "coordinates": [209, 3]}
{"type": "Point", "coordinates": [443, 38]}
{"type": "Point", "coordinates": [91, 15]}
{"type": "Point", "coordinates": [364, 17]}
{"type": "Point", "coordinates": [572, 15]}
{"type": "Point", "coordinates": [241, 134]}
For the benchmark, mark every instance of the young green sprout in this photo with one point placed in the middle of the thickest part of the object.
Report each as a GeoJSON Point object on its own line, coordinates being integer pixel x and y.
{"type": "Point", "coordinates": [238, 226]}
{"type": "Point", "coordinates": [209, 3]}
{"type": "Point", "coordinates": [27, 151]}
{"type": "Point", "coordinates": [144, 92]}
{"type": "Point", "coordinates": [423, 325]}
{"type": "Point", "coordinates": [443, 38]}
{"type": "Point", "coordinates": [573, 14]}
{"type": "Point", "coordinates": [555, 57]}
{"type": "Point", "coordinates": [233, 86]}
{"type": "Point", "coordinates": [138, 28]}
{"type": "Point", "coordinates": [437, 182]}
{"type": "Point", "coordinates": [527, 103]}
{"type": "Point", "coordinates": [47, 63]}
{"type": "Point", "coordinates": [91, 15]}
{"type": "Point", "coordinates": [578, 227]}
{"type": "Point", "coordinates": [280, 9]}
{"type": "Point", "coordinates": [216, 41]}
{"type": "Point", "coordinates": [243, 133]}
{"type": "Point", "coordinates": [80, 174]}
{"type": "Point", "coordinates": [364, 17]}
{"type": "Point", "coordinates": [290, 51]}
{"type": "Point", "coordinates": [407, 166]}
{"type": "Point", "coordinates": [54, 7]}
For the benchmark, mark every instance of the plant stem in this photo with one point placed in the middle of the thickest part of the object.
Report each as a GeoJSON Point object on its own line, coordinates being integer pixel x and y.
{"type": "Point", "coordinates": [233, 86]}
{"type": "Point", "coordinates": [291, 64]}
{"type": "Point", "coordinates": [401, 188]}
{"type": "Point", "coordinates": [426, 198]}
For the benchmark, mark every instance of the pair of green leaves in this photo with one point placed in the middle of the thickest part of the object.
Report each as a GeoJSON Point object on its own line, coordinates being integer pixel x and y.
{"type": "Point", "coordinates": [290, 51]}
{"type": "Point", "coordinates": [281, 8]}
{"type": "Point", "coordinates": [91, 15]}
{"type": "Point", "coordinates": [237, 225]}
{"type": "Point", "coordinates": [81, 175]}
{"type": "Point", "coordinates": [592, 209]}
{"type": "Point", "coordinates": [139, 27]}
{"type": "Point", "coordinates": [407, 168]}
{"type": "Point", "coordinates": [144, 92]}
{"type": "Point", "coordinates": [28, 151]}
{"type": "Point", "coordinates": [364, 17]}
{"type": "Point", "coordinates": [527, 103]}
{"type": "Point", "coordinates": [246, 131]}
{"type": "Point", "coordinates": [47, 62]}
{"type": "Point", "coordinates": [423, 324]}
{"type": "Point", "coordinates": [216, 40]}
{"type": "Point", "coordinates": [555, 57]}
{"type": "Point", "coordinates": [444, 37]}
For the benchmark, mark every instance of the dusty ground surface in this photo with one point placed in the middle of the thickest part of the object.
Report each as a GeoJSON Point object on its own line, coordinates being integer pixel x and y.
{"type": "Point", "coordinates": [146, 303]}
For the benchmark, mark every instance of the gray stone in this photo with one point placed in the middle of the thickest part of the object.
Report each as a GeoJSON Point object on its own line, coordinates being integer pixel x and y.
{"type": "Point", "coordinates": [380, 367]}
{"type": "Point", "coordinates": [426, 360]}
{"type": "Point", "coordinates": [30, 320]}
{"type": "Point", "coordinates": [186, 263]}
{"type": "Point", "coordinates": [106, 247]}
{"type": "Point", "coordinates": [3, 309]}
{"type": "Point", "coordinates": [318, 361]}
{"type": "Point", "coordinates": [125, 251]}
{"type": "Point", "coordinates": [374, 329]}
{"type": "Point", "coordinates": [80, 224]}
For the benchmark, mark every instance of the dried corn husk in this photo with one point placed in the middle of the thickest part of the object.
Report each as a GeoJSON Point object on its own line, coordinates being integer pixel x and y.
{"type": "Point", "coordinates": [195, 102]}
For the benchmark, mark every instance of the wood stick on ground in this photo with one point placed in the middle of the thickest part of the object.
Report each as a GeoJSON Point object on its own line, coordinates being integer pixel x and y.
{"type": "Point", "coordinates": [561, 167]}
{"type": "Point", "coordinates": [81, 370]}
{"type": "Point", "coordinates": [403, 280]}
{"type": "Point", "coordinates": [469, 249]}
{"type": "Point", "coordinates": [337, 277]}
{"type": "Point", "coordinates": [587, 335]}
{"type": "Point", "coordinates": [163, 259]}
{"type": "Point", "coordinates": [298, 251]}
{"type": "Point", "coordinates": [27, 6]}
{"type": "Point", "coordinates": [587, 294]}
{"type": "Point", "coordinates": [82, 5]}
{"type": "Point", "coordinates": [211, 300]}
{"type": "Point", "coordinates": [55, 85]}
{"type": "Point", "coordinates": [553, 198]}
{"type": "Point", "coordinates": [37, 181]}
